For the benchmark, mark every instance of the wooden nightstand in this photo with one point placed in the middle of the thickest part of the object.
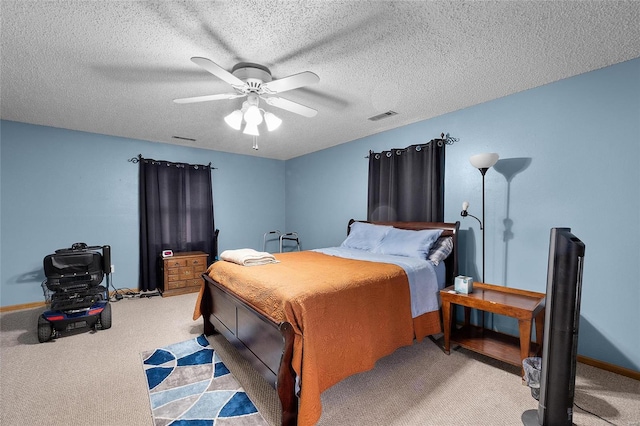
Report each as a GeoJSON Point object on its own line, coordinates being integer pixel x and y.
{"type": "Point", "coordinates": [182, 273]}
{"type": "Point", "coordinates": [525, 306]}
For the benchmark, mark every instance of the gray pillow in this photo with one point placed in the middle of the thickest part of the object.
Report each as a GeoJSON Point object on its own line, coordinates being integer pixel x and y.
{"type": "Point", "coordinates": [440, 250]}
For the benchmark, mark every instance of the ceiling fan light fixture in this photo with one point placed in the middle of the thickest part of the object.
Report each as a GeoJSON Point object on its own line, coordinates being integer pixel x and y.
{"type": "Point", "coordinates": [234, 120]}
{"type": "Point", "coordinates": [251, 129]}
{"type": "Point", "coordinates": [254, 81]}
{"type": "Point", "coordinates": [273, 122]}
{"type": "Point", "coordinates": [252, 115]}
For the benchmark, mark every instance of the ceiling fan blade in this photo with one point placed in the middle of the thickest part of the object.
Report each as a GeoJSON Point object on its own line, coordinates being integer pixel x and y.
{"type": "Point", "coordinates": [292, 82]}
{"type": "Point", "coordinates": [208, 98]}
{"type": "Point", "coordinates": [291, 106]}
{"type": "Point", "coordinates": [218, 71]}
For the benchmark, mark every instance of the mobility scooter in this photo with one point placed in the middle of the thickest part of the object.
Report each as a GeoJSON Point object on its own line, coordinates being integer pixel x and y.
{"type": "Point", "coordinates": [75, 299]}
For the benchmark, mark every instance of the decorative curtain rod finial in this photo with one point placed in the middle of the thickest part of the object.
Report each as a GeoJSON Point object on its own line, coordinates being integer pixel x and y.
{"type": "Point", "coordinates": [448, 140]}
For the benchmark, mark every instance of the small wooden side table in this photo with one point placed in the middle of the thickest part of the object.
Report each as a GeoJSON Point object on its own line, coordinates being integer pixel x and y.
{"type": "Point", "coordinates": [526, 306]}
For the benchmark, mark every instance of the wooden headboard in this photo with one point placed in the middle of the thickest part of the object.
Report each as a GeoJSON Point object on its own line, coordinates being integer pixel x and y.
{"type": "Point", "coordinates": [448, 229]}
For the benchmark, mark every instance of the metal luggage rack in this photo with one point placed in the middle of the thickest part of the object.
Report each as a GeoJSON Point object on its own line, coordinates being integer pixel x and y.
{"type": "Point", "coordinates": [288, 236]}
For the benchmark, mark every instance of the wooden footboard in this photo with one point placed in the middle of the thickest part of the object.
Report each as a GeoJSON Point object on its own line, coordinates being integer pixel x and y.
{"type": "Point", "coordinates": [267, 346]}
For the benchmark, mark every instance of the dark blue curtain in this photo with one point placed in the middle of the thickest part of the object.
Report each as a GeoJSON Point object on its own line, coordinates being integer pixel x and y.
{"type": "Point", "coordinates": [176, 213]}
{"type": "Point", "coordinates": [407, 184]}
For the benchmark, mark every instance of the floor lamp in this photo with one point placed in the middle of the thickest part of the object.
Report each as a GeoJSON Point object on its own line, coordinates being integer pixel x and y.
{"type": "Point", "coordinates": [482, 162]}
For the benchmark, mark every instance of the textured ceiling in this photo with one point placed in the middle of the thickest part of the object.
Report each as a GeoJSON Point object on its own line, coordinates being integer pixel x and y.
{"type": "Point", "coordinates": [114, 67]}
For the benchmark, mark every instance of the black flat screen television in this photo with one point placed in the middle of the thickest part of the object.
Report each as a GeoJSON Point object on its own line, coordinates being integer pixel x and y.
{"type": "Point", "coordinates": [560, 343]}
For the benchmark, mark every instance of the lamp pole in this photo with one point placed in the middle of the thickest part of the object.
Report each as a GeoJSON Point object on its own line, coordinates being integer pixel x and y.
{"type": "Point", "coordinates": [482, 162]}
{"type": "Point", "coordinates": [483, 171]}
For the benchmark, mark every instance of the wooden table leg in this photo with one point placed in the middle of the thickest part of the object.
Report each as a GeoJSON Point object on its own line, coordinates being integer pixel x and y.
{"type": "Point", "coordinates": [525, 340]}
{"type": "Point", "coordinates": [446, 319]}
{"type": "Point", "coordinates": [467, 316]}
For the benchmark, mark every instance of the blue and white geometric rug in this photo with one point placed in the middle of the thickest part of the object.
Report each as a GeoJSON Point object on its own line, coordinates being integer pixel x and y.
{"type": "Point", "coordinates": [190, 386]}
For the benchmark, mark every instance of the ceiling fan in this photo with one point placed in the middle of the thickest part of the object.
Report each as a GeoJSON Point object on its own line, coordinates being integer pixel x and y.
{"type": "Point", "coordinates": [254, 82]}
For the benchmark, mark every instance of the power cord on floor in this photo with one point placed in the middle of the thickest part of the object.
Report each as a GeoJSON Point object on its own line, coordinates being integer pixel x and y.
{"type": "Point", "coordinates": [121, 293]}
{"type": "Point", "coordinates": [593, 414]}
{"type": "Point", "coordinates": [150, 293]}
{"type": "Point", "coordinates": [116, 296]}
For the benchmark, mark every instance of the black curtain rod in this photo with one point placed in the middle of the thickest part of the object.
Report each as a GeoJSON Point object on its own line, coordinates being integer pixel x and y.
{"type": "Point", "coordinates": [445, 139]}
{"type": "Point", "coordinates": [139, 158]}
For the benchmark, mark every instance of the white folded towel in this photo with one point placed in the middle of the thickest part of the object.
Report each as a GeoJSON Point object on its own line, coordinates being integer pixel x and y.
{"type": "Point", "coordinates": [248, 257]}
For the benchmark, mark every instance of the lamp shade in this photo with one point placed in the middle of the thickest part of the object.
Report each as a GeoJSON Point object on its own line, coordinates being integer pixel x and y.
{"type": "Point", "coordinates": [272, 121]}
{"type": "Point", "coordinates": [251, 129]}
{"type": "Point", "coordinates": [484, 161]}
{"type": "Point", "coordinates": [234, 120]}
{"type": "Point", "coordinates": [253, 116]}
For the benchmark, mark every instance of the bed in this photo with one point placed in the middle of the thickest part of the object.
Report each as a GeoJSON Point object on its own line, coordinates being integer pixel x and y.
{"type": "Point", "coordinates": [315, 317]}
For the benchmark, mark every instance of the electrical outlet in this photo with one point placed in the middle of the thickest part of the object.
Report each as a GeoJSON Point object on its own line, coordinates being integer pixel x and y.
{"type": "Point", "coordinates": [113, 268]}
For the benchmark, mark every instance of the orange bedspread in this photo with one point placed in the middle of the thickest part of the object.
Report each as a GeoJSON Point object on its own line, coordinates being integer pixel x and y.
{"type": "Point", "coordinates": [346, 314]}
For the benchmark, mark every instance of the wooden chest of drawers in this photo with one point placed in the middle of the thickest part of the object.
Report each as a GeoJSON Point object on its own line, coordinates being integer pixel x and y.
{"type": "Point", "coordinates": [182, 272]}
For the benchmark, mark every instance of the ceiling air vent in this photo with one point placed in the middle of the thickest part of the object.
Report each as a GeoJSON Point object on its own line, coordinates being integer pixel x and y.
{"type": "Point", "coordinates": [383, 115]}
{"type": "Point", "coordinates": [183, 138]}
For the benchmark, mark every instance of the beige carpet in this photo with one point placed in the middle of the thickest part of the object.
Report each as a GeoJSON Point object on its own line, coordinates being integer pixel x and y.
{"type": "Point", "coordinates": [96, 378]}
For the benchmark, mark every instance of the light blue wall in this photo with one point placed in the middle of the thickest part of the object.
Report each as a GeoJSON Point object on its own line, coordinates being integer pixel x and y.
{"type": "Point", "coordinates": [580, 138]}
{"type": "Point", "coordinates": [569, 157]}
{"type": "Point", "coordinates": [59, 187]}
